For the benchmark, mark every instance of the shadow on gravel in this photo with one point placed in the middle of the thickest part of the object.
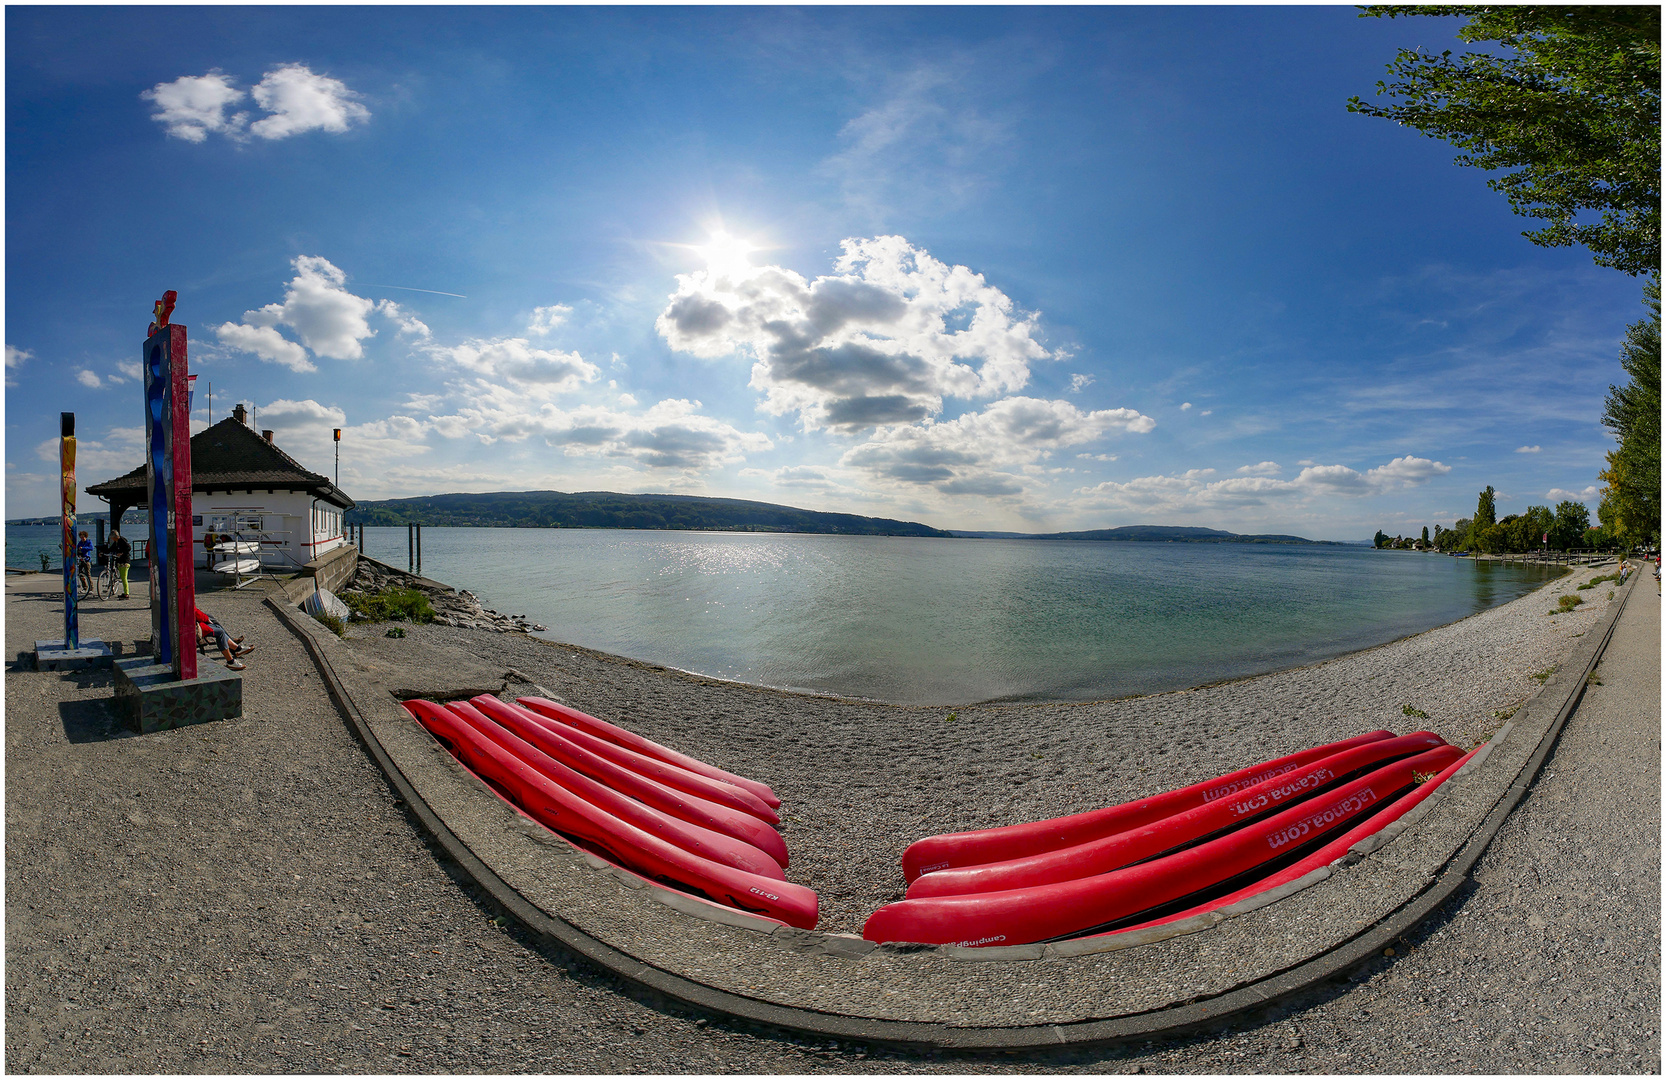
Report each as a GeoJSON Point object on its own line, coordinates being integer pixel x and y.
{"type": "Point", "coordinates": [91, 721]}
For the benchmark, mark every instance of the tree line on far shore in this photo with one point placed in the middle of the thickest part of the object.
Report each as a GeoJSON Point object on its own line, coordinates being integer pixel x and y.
{"type": "Point", "coordinates": [1538, 528]}
{"type": "Point", "coordinates": [1566, 527]}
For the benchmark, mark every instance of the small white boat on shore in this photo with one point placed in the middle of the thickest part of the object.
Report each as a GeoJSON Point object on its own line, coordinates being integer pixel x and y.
{"type": "Point", "coordinates": [237, 566]}
{"type": "Point", "coordinates": [238, 547]}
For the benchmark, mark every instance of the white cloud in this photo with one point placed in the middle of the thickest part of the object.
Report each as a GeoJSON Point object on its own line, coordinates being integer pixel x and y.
{"type": "Point", "coordinates": [14, 359]}
{"type": "Point", "coordinates": [628, 400]}
{"type": "Point", "coordinates": [300, 101]}
{"type": "Point", "coordinates": [130, 369]}
{"type": "Point", "coordinates": [1406, 472]}
{"type": "Point", "coordinates": [1265, 468]}
{"type": "Point", "coordinates": [969, 455]}
{"type": "Point", "coordinates": [327, 318]}
{"type": "Point", "coordinates": [1080, 382]}
{"type": "Point", "coordinates": [88, 378]}
{"type": "Point", "coordinates": [1207, 412]}
{"type": "Point", "coordinates": [546, 319]}
{"type": "Point", "coordinates": [194, 107]}
{"type": "Point", "coordinates": [370, 452]}
{"type": "Point", "coordinates": [1185, 405]}
{"type": "Point", "coordinates": [407, 323]}
{"type": "Point", "coordinates": [672, 434]}
{"type": "Point", "coordinates": [1194, 491]}
{"type": "Point", "coordinates": [927, 141]}
{"type": "Point", "coordinates": [1527, 449]}
{"type": "Point", "coordinates": [883, 340]}
{"type": "Point", "coordinates": [265, 343]}
{"type": "Point", "coordinates": [96, 460]}
{"type": "Point", "coordinates": [545, 371]}
{"type": "Point", "coordinates": [1586, 495]}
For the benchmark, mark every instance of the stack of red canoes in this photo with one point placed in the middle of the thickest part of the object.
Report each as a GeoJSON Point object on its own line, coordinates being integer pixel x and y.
{"type": "Point", "coordinates": [642, 806]}
{"type": "Point", "coordinates": [1165, 857]}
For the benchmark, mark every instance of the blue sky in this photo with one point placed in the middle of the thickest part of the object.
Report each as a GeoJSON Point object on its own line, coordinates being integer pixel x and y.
{"type": "Point", "coordinates": [1004, 268]}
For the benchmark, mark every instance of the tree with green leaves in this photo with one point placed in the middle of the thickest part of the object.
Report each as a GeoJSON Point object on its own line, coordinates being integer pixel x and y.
{"type": "Point", "coordinates": [1572, 521]}
{"type": "Point", "coordinates": [1425, 536]}
{"type": "Point", "coordinates": [1567, 97]}
{"type": "Point", "coordinates": [1632, 495]}
{"type": "Point", "coordinates": [1486, 513]}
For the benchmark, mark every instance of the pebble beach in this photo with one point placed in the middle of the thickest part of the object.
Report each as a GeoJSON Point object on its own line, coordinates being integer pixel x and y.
{"type": "Point", "coordinates": [860, 780]}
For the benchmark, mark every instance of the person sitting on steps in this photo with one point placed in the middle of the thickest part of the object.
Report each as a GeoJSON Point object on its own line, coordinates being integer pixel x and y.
{"type": "Point", "coordinates": [231, 648]}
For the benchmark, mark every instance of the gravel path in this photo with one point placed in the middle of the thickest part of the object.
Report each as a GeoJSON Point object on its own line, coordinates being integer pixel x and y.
{"type": "Point", "coordinates": [247, 896]}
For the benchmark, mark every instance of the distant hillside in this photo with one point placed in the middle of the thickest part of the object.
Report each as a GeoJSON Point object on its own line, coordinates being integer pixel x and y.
{"type": "Point", "coordinates": [1171, 534]}
{"type": "Point", "coordinates": [611, 510]}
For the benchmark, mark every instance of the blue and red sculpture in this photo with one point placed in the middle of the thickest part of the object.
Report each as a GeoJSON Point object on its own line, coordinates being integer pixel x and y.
{"type": "Point", "coordinates": [66, 469]}
{"type": "Point", "coordinates": [173, 589]}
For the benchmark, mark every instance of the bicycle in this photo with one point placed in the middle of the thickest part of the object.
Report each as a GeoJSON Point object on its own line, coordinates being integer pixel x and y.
{"type": "Point", "coordinates": [107, 586]}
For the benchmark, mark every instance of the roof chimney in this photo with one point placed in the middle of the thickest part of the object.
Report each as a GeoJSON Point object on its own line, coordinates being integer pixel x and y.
{"type": "Point", "coordinates": [240, 414]}
{"type": "Point", "coordinates": [267, 434]}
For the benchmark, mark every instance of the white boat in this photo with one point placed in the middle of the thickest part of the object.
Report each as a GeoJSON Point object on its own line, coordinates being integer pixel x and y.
{"type": "Point", "coordinates": [238, 547]}
{"type": "Point", "coordinates": [237, 566]}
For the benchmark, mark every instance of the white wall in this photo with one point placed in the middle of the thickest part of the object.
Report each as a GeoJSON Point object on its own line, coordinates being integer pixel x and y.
{"type": "Point", "coordinates": [290, 529]}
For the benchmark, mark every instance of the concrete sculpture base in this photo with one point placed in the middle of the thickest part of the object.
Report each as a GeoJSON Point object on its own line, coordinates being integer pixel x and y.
{"type": "Point", "coordinates": [151, 699]}
{"type": "Point", "coordinates": [53, 656]}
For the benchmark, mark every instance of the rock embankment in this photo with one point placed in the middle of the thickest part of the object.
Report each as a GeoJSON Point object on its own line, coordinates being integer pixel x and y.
{"type": "Point", "coordinates": [453, 607]}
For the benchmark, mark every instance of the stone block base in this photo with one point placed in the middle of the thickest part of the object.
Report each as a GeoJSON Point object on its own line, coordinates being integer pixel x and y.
{"type": "Point", "coordinates": [151, 699]}
{"type": "Point", "coordinates": [52, 656]}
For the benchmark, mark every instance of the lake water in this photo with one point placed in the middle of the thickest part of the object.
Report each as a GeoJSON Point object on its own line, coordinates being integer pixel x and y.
{"type": "Point", "coordinates": [945, 621]}
{"type": "Point", "coordinates": [950, 621]}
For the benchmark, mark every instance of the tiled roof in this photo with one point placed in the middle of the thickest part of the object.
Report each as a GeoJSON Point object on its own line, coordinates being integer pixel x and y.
{"type": "Point", "coordinates": [230, 456]}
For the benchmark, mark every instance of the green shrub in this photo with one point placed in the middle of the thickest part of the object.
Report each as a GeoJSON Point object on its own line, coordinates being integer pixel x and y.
{"type": "Point", "coordinates": [395, 632]}
{"type": "Point", "coordinates": [335, 625]}
{"type": "Point", "coordinates": [390, 605]}
{"type": "Point", "coordinates": [1410, 711]}
{"type": "Point", "coordinates": [1569, 602]}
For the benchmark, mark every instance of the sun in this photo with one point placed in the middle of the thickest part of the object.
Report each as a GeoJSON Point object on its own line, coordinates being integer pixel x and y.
{"type": "Point", "coordinates": [725, 255]}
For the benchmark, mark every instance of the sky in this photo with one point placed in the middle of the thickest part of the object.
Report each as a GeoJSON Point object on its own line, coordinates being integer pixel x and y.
{"type": "Point", "coordinates": [1027, 269]}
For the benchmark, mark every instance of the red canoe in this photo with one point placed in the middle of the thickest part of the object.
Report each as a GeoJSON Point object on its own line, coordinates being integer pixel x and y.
{"type": "Point", "coordinates": [1135, 845]}
{"type": "Point", "coordinates": [630, 740]}
{"type": "Point", "coordinates": [707, 843]}
{"type": "Point", "coordinates": [635, 849]}
{"type": "Point", "coordinates": [675, 776]}
{"type": "Point", "coordinates": [1016, 841]}
{"type": "Point", "coordinates": [1326, 855]}
{"type": "Point", "coordinates": [679, 804]}
{"type": "Point", "coordinates": [1068, 908]}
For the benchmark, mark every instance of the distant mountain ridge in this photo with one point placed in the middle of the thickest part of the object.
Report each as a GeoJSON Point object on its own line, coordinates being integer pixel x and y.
{"type": "Point", "coordinates": [1171, 534]}
{"type": "Point", "coordinates": [702, 513]}
{"type": "Point", "coordinates": [613, 510]}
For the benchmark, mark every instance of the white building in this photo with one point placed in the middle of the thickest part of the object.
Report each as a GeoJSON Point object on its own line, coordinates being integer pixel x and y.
{"type": "Point", "coordinates": [245, 488]}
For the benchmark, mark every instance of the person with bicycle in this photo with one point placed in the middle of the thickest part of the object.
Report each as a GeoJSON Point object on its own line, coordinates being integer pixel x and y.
{"type": "Point", "coordinates": [84, 561]}
{"type": "Point", "coordinates": [121, 554]}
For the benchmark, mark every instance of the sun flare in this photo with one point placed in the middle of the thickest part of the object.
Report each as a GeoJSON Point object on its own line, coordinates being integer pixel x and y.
{"type": "Point", "coordinates": [726, 255]}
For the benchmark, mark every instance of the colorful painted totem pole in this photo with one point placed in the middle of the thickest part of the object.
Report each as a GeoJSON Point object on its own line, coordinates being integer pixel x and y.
{"type": "Point", "coordinates": [66, 468]}
{"type": "Point", "coordinates": [173, 588]}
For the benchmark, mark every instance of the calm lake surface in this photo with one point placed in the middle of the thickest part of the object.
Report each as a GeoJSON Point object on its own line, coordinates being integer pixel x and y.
{"type": "Point", "coordinates": [950, 621]}
{"type": "Point", "coordinates": [945, 621]}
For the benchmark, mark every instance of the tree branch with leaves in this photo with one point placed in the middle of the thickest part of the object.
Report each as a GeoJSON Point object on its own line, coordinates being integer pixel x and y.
{"type": "Point", "coordinates": [1568, 98]}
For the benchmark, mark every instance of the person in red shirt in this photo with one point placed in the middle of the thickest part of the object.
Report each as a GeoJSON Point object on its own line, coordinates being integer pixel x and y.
{"type": "Point", "coordinates": [231, 648]}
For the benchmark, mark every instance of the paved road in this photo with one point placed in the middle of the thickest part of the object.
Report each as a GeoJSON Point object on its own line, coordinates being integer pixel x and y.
{"type": "Point", "coordinates": [248, 896]}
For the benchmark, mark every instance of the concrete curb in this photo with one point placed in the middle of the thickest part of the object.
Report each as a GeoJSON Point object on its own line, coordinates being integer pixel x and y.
{"type": "Point", "coordinates": [1159, 1023]}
